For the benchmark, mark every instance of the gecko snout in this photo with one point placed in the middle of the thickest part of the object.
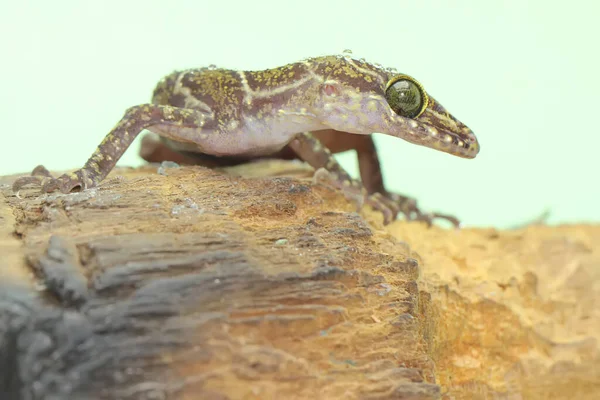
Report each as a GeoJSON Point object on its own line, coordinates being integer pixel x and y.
{"type": "Point", "coordinates": [442, 131]}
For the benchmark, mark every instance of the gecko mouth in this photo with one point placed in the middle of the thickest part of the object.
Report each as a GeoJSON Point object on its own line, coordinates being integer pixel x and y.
{"type": "Point", "coordinates": [438, 129]}
{"type": "Point", "coordinates": [462, 144]}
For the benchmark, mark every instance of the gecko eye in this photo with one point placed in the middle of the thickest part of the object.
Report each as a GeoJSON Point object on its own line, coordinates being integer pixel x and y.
{"type": "Point", "coordinates": [406, 96]}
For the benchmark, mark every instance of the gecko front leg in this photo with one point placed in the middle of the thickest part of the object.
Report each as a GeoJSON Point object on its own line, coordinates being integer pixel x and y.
{"type": "Point", "coordinates": [170, 121]}
{"type": "Point", "coordinates": [311, 150]}
{"type": "Point", "coordinates": [370, 175]}
{"type": "Point", "coordinates": [371, 191]}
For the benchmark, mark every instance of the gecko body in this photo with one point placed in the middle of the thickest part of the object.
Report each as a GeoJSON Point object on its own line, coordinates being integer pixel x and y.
{"type": "Point", "coordinates": [306, 109]}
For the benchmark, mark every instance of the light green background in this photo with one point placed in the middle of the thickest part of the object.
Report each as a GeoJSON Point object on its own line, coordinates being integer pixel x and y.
{"type": "Point", "coordinates": [522, 74]}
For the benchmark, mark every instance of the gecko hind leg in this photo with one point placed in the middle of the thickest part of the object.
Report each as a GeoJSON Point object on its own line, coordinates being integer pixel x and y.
{"type": "Point", "coordinates": [173, 122]}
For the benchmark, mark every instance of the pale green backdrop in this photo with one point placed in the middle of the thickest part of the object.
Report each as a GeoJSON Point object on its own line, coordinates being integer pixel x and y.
{"type": "Point", "coordinates": [522, 74]}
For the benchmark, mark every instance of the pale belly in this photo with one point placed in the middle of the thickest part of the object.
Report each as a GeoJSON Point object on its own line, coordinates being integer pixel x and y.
{"type": "Point", "coordinates": [252, 139]}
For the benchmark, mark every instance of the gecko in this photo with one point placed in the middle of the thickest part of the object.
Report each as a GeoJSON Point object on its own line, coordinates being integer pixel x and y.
{"type": "Point", "coordinates": [308, 110]}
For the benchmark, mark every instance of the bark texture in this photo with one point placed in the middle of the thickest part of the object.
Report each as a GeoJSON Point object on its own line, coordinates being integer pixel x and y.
{"type": "Point", "coordinates": [253, 283]}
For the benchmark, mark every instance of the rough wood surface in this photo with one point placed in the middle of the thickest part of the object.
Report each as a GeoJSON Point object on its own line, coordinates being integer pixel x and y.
{"type": "Point", "coordinates": [197, 284]}
{"type": "Point", "coordinates": [194, 283]}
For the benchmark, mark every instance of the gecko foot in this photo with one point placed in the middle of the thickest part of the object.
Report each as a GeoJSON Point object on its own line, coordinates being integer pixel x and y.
{"type": "Point", "coordinates": [41, 177]}
{"type": "Point", "coordinates": [408, 207]}
{"type": "Point", "coordinates": [354, 191]}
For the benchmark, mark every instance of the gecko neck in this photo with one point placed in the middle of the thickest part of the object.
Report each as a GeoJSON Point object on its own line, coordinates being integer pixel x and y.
{"type": "Point", "coordinates": [283, 97]}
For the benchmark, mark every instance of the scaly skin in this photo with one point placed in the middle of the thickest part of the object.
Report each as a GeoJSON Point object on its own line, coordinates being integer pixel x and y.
{"type": "Point", "coordinates": [306, 109]}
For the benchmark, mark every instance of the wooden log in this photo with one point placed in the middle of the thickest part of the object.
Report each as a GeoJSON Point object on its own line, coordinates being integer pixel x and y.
{"type": "Point", "coordinates": [197, 284]}
{"type": "Point", "coordinates": [253, 283]}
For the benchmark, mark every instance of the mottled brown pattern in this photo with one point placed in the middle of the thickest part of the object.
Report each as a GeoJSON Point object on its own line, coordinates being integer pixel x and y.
{"type": "Point", "coordinates": [163, 93]}
{"type": "Point", "coordinates": [219, 89]}
{"type": "Point", "coordinates": [351, 73]}
{"type": "Point", "coordinates": [275, 78]}
{"type": "Point", "coordinates": [301, 96]}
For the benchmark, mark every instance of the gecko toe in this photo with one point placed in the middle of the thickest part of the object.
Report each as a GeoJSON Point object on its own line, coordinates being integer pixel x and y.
{"type": "Point", "coordinates": [50, 186]}
{"type": "Point", "coordinates": [36, 178]}
{"type": "Point", "coordinates": [385, 206]}
{"type": "Point", "coordinates": [411, 211]}
{"type": "Point", "coordinates": [40, 170]}
{"type": "Point", "coordinates": [408, 206]}
{"type": "Point", "coordinates": [26, 181]}
{"type": "Point", "coordinates": [428, 218]}
{"type": "Point", "coordinates": [39, 177]}
{"type": "Point", "coordinates": [64, 183]}
{"type": "Point", "coordinates": [381, 204]}
{"type": "Point", "coordinates": [405, 205]}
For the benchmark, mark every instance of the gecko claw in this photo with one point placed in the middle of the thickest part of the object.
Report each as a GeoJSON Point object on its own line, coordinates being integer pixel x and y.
{"type": "Point", "coordinates": [42, 178]}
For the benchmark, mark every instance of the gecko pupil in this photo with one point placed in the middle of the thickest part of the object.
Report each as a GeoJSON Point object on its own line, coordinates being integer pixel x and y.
{"type": "Point", "coordinates": [405, 98]}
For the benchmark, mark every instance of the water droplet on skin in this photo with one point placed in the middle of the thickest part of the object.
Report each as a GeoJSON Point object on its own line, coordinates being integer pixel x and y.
{"type": "Point", "coordinates": [347, 51]}
{"type": "Point", "coordinates": [212, 66]}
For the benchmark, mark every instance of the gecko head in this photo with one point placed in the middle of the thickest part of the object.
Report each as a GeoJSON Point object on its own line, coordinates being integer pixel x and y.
{"type": "Point", "coordinates": [399, 106]}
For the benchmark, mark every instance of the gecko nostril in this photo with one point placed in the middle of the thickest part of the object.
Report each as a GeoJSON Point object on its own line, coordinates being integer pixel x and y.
{"type": "Point", "coordinates": [329, 90]}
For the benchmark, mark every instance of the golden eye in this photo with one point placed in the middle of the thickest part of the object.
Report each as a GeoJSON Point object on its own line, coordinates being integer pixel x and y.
{"type": "Point", "coordinates": [406, 96]}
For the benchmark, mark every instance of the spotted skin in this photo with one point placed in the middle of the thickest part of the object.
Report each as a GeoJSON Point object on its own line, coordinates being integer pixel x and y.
{"type": "Point", "coordinates": [308, 109]}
